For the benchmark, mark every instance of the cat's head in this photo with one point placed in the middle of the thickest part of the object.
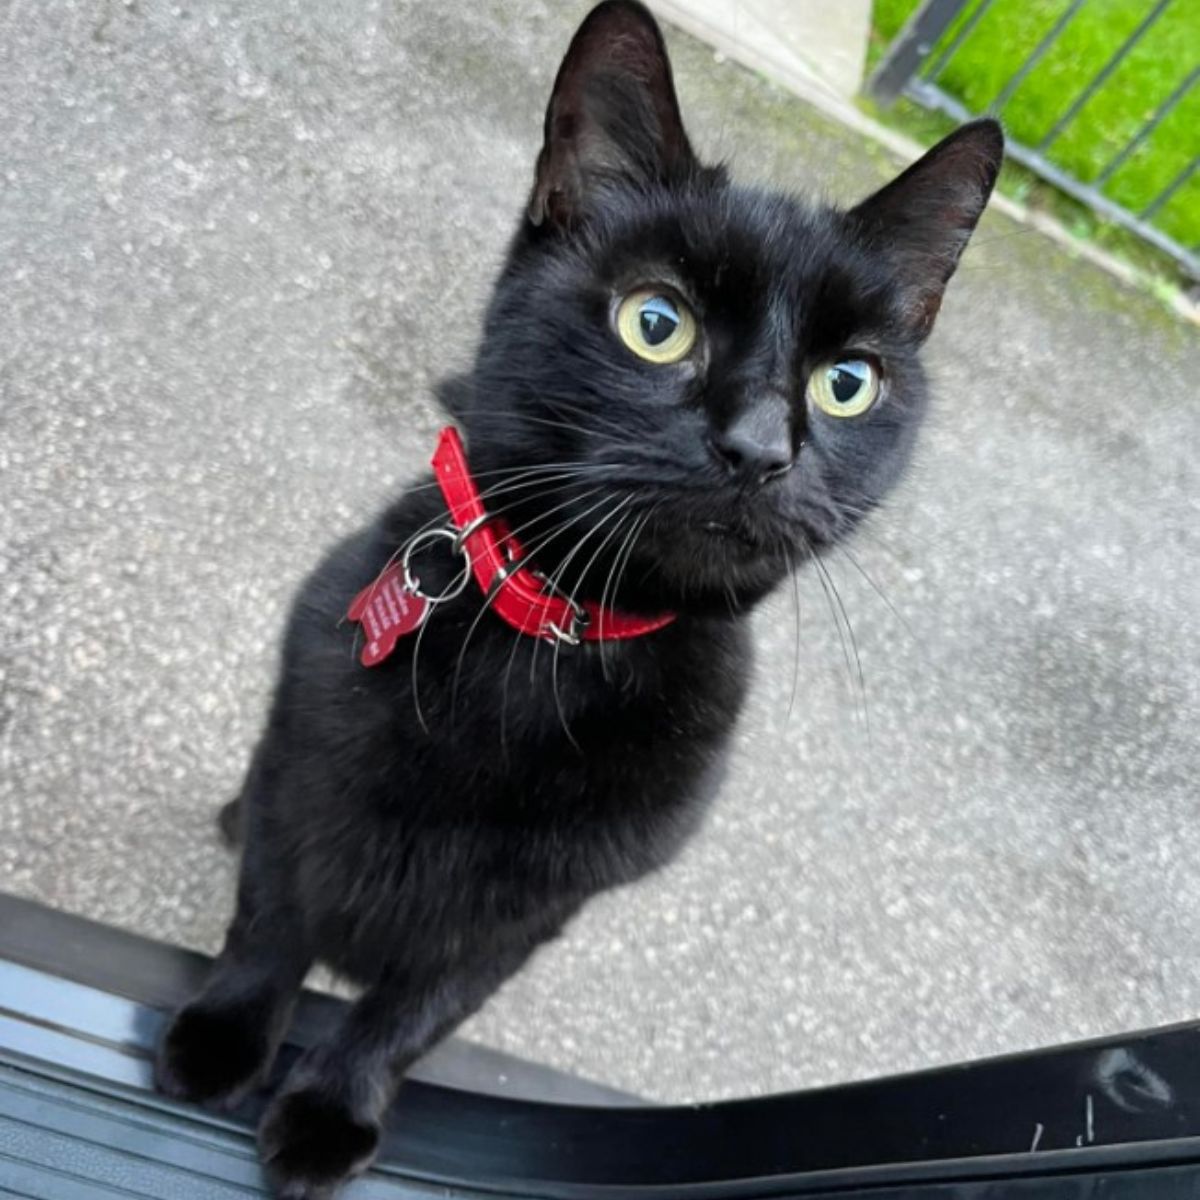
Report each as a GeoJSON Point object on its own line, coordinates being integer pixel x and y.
{"type": "Point", "coordinates": [705, 383]}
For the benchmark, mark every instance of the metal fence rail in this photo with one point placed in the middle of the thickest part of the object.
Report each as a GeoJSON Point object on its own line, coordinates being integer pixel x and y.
{"type": "Point", "coordinates": [901, 72]}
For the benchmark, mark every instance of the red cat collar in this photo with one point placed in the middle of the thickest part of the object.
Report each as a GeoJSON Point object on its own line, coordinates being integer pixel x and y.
{"type": "Point", "coordinates": [517, 594]}
{"type": "Point", "coordinates": [394, 604]}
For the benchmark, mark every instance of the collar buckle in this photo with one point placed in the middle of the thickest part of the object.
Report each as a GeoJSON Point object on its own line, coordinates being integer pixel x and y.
{"type": "Point", "coordinates": [573, 634]}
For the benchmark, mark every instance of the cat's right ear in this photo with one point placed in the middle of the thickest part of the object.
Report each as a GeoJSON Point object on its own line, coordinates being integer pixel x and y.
{"type": "Point", "coordinates": [612, 115]}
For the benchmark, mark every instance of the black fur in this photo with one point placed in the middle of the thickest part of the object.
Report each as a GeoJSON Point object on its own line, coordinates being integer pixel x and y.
{"type": "Point", "coordinates": [425, 825]}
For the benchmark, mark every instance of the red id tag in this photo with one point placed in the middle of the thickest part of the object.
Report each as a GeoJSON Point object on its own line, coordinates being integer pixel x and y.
{"type": "Point", "coordinates": [387, 610]}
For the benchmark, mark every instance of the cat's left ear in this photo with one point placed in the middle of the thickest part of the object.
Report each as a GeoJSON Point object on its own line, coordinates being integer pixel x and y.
{"type": "Point", "coordinates": [613, 114]}
{"type": "Point", "coordinates": [922, 220]}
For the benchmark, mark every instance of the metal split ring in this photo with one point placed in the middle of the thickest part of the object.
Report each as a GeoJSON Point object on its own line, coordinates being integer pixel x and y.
{"type": "Point", "coordinates": [458, 585]}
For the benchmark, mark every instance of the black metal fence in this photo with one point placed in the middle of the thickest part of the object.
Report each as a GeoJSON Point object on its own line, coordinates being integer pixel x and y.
{"type": "Point", "coordinates": [906, 70]}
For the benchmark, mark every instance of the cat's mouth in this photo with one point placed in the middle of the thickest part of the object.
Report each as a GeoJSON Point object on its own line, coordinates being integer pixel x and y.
{"type": "Point", "coordinates": [693, 559]}
{"type": "Point", "coordinates": [734, 531]}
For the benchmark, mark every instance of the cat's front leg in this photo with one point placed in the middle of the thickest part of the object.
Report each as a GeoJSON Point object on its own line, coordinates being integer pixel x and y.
{"type": "Point", "coordinates": [220, 1045]}
{"type": "Point", "coordinates": [324, 1126]}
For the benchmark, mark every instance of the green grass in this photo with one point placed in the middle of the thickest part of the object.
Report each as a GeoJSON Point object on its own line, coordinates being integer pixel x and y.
{"type": "Point", "coordinates": [1008, 33]}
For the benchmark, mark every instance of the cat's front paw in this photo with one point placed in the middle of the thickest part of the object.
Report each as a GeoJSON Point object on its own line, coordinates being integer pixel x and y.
{"type": "Point", "coordinates": [212, 1056]}
{"type": "Point", "coordinates": [312, 1144]}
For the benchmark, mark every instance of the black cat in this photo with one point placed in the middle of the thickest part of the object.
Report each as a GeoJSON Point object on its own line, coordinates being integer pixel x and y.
{"type": "Point", "coordinates": [684, 388]}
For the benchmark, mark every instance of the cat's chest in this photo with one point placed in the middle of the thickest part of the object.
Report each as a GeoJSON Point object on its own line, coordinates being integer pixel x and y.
{"type": "Point", "coordinates": [467, 716]}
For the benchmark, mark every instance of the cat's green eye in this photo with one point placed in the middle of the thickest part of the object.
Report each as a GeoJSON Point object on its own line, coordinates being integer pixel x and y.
{"type": "Point", "coordinates": [846, 388]}
{"type": "Point", "coordinates": [656, 326]}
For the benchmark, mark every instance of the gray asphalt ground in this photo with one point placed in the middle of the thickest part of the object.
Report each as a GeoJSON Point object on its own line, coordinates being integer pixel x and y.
{"type": "Point", "coordinates": [237, 244]}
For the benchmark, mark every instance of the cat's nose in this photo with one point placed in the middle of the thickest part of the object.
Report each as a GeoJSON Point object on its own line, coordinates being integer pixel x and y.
{"type": "Point", "coordinates": [757, 446]}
